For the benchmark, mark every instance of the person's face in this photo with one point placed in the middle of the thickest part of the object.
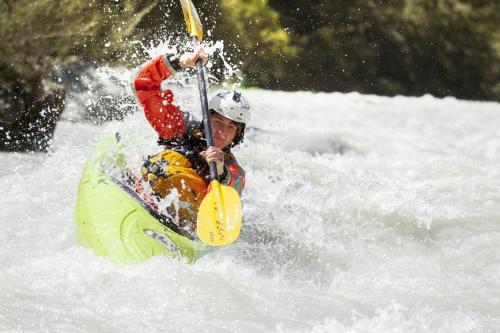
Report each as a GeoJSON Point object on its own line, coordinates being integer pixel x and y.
{"type": "Point", "coordinates": [224, 130]}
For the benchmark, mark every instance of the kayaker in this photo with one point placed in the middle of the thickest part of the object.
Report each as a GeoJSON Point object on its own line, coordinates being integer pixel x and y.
{"type": "Point", "coordinates": [181, 169]}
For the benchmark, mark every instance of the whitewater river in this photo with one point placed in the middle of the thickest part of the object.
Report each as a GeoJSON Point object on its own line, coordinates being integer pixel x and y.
{"type": "Point", "coordinates": [362, 214]}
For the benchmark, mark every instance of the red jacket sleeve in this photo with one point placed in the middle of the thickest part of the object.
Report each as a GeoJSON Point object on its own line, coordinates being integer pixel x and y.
{"type": "Point", "coordinates": [165, 117]}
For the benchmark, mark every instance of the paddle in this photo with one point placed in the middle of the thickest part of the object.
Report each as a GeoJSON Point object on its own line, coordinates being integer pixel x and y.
{"type": "Point", "coordinates": [219, 215]}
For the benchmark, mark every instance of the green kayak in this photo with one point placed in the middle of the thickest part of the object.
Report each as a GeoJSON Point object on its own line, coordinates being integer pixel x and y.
{"type": "Point", "coordinates": [113, 220]}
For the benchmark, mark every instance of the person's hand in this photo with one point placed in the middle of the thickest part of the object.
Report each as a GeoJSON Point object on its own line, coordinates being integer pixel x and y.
{"type": "Point", "coordinates": [189, 59]}
{"type": "Point", "coordinates": [214, 154]}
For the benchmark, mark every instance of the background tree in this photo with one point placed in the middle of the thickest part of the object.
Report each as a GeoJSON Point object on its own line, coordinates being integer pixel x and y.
{"type": "Point", "coordinates": [36, 35]}
{"type": "Point", "coordinates": [412, 47]}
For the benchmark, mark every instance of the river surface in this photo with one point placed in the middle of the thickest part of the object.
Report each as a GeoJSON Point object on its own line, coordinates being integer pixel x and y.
{"type": "Point", "coordinates": [361, 214]}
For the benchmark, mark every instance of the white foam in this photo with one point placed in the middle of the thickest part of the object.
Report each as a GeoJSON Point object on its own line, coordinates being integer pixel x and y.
{"type": "Point", "coordinates": [362, 214]}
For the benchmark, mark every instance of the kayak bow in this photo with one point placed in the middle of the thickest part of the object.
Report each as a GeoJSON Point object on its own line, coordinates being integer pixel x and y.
{"type": "Point", "coordinates": [113, 220]}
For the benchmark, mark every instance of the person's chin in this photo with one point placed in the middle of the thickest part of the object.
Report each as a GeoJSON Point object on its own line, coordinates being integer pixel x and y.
{"type": "Point", "coordinates": [219, 144]}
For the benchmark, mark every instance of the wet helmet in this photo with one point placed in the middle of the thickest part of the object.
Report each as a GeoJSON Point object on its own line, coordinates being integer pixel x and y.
{"type": "Point", "coordinates": [232, 105]}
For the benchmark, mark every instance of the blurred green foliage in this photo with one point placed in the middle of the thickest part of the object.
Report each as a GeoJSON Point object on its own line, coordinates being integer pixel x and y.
{"type": "Point", "coordinates": [38, 34]}
{"type": "Point", "coordinates": [411, 47]}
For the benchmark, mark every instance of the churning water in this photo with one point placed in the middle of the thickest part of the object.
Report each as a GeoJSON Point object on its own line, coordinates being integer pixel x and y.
{"type": "Point", "coordinates": [362, 214]}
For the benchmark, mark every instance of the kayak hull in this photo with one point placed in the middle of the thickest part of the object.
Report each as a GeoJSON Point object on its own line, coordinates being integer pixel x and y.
{"type": "Point", "coordinates": [114, 222]}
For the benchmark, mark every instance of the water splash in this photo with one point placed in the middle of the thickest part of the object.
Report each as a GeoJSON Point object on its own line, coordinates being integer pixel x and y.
{"type": "Point", "coordinates": [104, 93]}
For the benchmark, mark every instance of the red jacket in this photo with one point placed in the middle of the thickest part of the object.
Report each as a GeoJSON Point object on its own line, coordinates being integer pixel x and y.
{"type": "Point", "coordinates": [166, 118]}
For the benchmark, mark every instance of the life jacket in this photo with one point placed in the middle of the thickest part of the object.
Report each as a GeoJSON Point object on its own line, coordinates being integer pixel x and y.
{"type": "Point", "coordinates": [169, 173]}
{"type": "Point", "coordinates": [180, 168]}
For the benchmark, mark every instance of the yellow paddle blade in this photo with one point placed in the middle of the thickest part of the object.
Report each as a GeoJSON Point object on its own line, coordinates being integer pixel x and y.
{"type": "Point", "coordinates": [219, 216]}
{"type": "Point", "coordinates": [192, 19]}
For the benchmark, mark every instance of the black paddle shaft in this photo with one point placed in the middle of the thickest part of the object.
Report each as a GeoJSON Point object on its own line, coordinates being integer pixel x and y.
{"type": "Point", "coordinates": [206, 114]}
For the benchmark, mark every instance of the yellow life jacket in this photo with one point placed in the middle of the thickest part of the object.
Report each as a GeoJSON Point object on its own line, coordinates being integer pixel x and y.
{"type": "Point", "coordinates": [170, 170]}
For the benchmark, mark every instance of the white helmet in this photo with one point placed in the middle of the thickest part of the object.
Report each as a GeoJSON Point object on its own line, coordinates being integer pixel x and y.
{"type": "Point", "coordinates": [232, 105]}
